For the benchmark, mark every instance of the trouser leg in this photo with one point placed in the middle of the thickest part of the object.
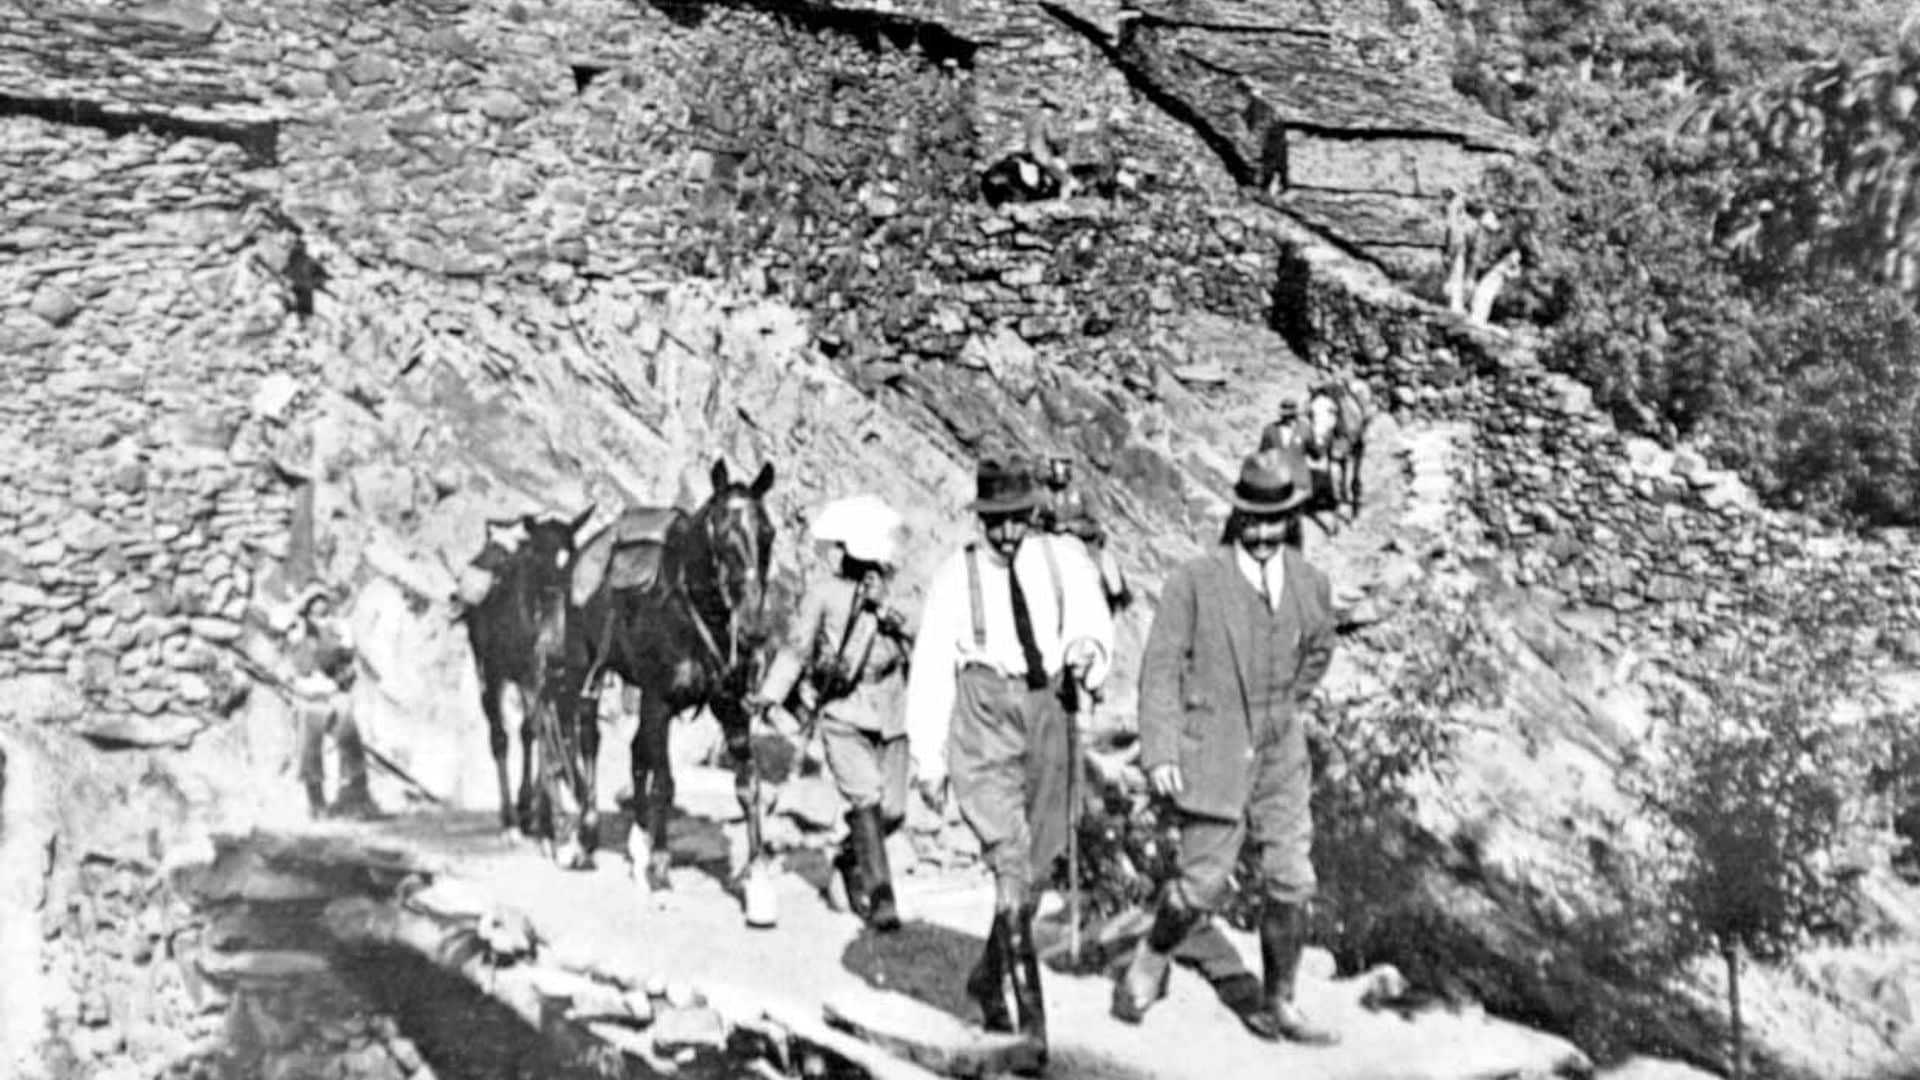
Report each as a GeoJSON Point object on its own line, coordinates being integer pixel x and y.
{"type": "Point", "coordinates": [313, 733]}
{"type": "Point", "coordinates": [353, 758]}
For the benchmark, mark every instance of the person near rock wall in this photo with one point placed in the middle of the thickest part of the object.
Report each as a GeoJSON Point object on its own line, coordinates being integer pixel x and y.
{"type": "Point", "coordinates": [1242, 636]}
{"type": "Point", "coordinates": [321, 656]}
{"type": "Point", "coordinates": [1067, 512]}
{"type": "Point", "coordinates": [1012, 625]}
{"type": "Point", "coordinates": [1046, 144]}
{"type": "Point", "coordinates": [1288, 433]}
{"type": "Point", "coordinates": [844, 664]}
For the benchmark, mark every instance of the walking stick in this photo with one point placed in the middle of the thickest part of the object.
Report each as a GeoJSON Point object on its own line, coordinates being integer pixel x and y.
{"type": "Point", "coordinates": [1077, 704]}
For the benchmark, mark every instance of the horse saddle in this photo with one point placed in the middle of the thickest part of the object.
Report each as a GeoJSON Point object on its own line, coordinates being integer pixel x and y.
{"type": "Point", "coordinates": [625, 555]}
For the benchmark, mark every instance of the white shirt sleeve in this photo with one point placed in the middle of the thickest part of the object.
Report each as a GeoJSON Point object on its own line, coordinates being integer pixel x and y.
{"type": "Point", "coordinates": [1085, 615]}
{"type": "Point", "coordinates": [930, 680]}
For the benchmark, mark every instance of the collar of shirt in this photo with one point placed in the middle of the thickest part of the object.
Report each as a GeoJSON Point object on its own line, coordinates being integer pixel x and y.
{"type": "Point", "coordinates": [1267, 578]}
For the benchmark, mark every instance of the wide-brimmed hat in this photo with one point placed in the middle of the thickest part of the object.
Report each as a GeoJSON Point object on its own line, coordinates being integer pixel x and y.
{"type": "Point", "coordinates": [1273, 482]}
{"type": "Point", "coordinates": [1004, 487]}
{"type": "Point", "coordinates": [863, 524]}
{"type": "Point", "coordinates": [1289, 407]}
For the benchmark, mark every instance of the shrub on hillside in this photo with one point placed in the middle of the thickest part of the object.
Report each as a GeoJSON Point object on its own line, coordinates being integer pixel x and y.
{"type": "Point", "coordinates": [1371, 757]}
{"type": "Point", "coordinates": [1766, 772]}
{"type": "Point", "coordinates": [1648, 265]}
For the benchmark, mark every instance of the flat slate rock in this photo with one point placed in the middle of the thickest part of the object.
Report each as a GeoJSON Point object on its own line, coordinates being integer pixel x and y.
{"type": "Point", "coordinates": [922, 1034]}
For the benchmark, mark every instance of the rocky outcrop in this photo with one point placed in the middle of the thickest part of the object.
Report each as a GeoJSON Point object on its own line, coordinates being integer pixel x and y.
{"type": "Point", "coordinates": [1349, 122]}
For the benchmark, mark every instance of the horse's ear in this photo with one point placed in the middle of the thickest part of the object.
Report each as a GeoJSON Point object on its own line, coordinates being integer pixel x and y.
{"type": "Point", "coordinates": [720, 474]}
{"type": "Point", "coordinates": [763, 482]}
{"type": "Point", "coordinates": [573, 527]}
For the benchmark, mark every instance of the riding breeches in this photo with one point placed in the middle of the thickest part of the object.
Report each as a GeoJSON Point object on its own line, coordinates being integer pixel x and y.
{"type": "Point", "coordinates": [868, 767]}
{"type": "Point", "coordinates": [1008, 758]}
{"type": "Point", "coordinates": [1278, 822]}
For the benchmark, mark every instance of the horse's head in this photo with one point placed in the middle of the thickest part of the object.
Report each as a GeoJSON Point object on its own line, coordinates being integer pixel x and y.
{"type": "Point", "coordinates": [737, 533]}
{"type": "Point", "coordinates": [1323, 417]}
{"type": "Point", "coordinates": [534, 560]}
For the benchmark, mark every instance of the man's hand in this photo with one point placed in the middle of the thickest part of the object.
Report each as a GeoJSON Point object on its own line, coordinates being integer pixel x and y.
{"type": "Point", "coordinates": [1166, 781]}
{"type": "Point", "coordinates": [1081, 656]}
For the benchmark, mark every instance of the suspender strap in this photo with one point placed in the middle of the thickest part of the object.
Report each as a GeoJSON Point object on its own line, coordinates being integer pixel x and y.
{"type": "Point", "coordinates": [1059, 592]}
{"type": "Point", "coordinates": [973, 597]}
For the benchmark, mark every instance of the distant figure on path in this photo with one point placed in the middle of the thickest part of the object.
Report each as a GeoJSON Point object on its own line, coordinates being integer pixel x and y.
{"type": "Point", "coordinates": [321, 655]}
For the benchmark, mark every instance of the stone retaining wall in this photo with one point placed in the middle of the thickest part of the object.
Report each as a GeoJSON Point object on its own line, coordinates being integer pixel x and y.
{"type": "Point", "coordinates": [138, 497]}
{"type": "Point", "coordinates": [1673, 547]}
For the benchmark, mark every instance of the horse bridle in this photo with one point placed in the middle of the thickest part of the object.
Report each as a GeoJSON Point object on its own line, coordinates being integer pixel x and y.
{"type": "Point", "coordinates": [729, 659]}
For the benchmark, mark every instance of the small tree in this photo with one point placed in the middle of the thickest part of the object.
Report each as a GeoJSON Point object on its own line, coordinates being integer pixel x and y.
{"type": "Point", "coordinates": [1766, 788]}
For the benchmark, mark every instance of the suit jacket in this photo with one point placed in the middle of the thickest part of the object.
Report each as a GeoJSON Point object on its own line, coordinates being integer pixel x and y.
{"type": "Point", "coordinates": [1194, 706]}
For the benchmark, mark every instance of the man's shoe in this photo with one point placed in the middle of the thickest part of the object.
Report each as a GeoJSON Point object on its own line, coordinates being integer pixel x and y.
{"type": "Point", "coordinates": [1244, 995]}
{"type": "Point", "coordinates": [1140, 985]}
{"type": "Point", "coordinates": [1295, 1026]}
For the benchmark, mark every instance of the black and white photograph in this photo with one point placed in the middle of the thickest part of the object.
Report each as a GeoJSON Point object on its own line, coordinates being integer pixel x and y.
{"type": "Point", "coordinates": [918, 539]}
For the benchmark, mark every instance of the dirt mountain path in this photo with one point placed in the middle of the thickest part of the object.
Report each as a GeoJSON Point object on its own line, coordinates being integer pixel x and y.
{"type": "Point", "coordinates": [695, 935]}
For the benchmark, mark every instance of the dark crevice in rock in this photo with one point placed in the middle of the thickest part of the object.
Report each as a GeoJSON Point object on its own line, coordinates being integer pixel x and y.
{"type": "Point", "coordinates": [876, 31]}
{"type": "Point", "coordinates": [461, 1032]}
{"type": "Point", "coordinates": [1110, 48]}
{"type": "Point", "coordinates": [259, 140]}
{"type": "Point", "coordinates": [584, 74]}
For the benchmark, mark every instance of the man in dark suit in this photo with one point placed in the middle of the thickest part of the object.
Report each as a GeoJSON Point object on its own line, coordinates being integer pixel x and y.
{"type": "Point", "coordinates": [1240, 639]}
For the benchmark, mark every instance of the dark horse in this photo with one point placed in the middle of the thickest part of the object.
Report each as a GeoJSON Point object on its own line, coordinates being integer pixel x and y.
{"type": "Point", "coordinates": [674, 604]}
{"type": "Point", "coordinates": [518, 631]}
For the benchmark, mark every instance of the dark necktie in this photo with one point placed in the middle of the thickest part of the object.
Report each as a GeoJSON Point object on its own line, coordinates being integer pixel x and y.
{"type": "Point", "coordinates": [1023, 629]}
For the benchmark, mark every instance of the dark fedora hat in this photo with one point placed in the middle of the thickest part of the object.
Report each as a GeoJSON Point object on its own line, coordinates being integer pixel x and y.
{"type": "Point", "coordinates": [1004, 487]}
{"type": "Point", "coordinates": [1273, 482]}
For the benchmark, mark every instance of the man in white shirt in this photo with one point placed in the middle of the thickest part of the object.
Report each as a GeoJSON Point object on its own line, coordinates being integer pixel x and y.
{"type": "Point", "coordinates": [1009, 624]}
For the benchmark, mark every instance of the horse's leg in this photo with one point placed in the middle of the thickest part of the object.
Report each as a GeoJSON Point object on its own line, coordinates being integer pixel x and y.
{"type": "Point", "coordinates": [757, 885]}
{"type": "Point", "coordinates": [1359, 456]}
{"type": "Point", "coordinates": [653, 787]}
{"type": "Point", "coordinates": [541, 806]}
{"type": "Point", "coordinates": [736, 728]}
{"type": "Point", "coordinates": [529, 733]}
{"type": "Point", "coordinates": [586, 710]}
{"type": "Point", "coordinates": [497, 741]}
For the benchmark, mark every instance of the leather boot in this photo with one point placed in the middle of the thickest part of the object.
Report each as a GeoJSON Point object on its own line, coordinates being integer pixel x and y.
{"type": "Point", "coordinates": [871, 851]}
{"type": "Point", "coordinates": [1283, 935]}
{"type": "Point", "coordinates": [1023, 971]}
{"type": "Point", "coordinates": [1246, 996]}
{"type": "Point", "coordinates": [987, 983]}
{"type": "Point", "coordinates": [1145, 980]}
{"type": "Point", "coordinates": [853, 869]}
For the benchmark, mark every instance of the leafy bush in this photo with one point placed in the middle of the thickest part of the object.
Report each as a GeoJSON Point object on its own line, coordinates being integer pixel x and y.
{"type": "Point", "coordinates": [1742, 290]}
{"type": "Point", "coordinates": [1372, 755]}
